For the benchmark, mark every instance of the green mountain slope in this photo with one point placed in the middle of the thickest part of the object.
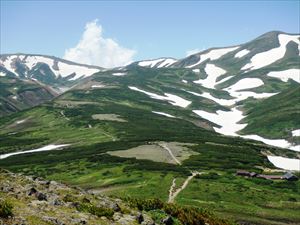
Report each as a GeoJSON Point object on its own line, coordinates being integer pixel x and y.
{"type": "Point", "coordinates": [17, 94]}
{"type": "Point", "coordinates": [276, 116]}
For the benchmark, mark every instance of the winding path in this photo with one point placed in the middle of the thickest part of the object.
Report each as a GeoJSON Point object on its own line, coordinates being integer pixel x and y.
{"type": "Point", "coordinates": [165, 146]}
{"type": "Point", "coordinates": [173, 193]}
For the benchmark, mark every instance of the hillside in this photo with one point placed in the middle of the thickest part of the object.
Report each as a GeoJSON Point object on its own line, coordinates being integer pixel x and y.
{"type": "Point", "coordinates": [176, 130]}
{"type": "Point", "coordinates": [32, 200]}
{"type": "Point", "coordinates": [18, 94]}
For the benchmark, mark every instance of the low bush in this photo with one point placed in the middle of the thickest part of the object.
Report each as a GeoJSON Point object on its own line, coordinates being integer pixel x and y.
{"type": "Point", "coordinates": [5, 209]}
{"type": "Point", "coordinates": [95, 210]}
{"type": "Point", "coordinates": [185, 214]}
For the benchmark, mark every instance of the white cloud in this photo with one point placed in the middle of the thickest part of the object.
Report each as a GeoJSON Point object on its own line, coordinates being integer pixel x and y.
{"type": "Point", "coordinates": [94, 49]}
{"type": "Point", "coordinates": [192, 51]}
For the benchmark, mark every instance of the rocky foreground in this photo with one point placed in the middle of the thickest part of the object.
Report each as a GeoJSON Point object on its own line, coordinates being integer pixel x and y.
{"type": "Point", "coordinates": [28, 200]}
{"type": "Point", "coordinates": [31, 200]}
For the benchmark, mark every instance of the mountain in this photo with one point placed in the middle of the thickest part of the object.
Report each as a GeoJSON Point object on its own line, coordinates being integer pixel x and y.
{"type": "Point", "coordinates": [18, 94]}
{"type": "Point", "coordinates": [46, 69]}
{"type": "Point", "coordinates": [252, 71]}
{"type": "Point", "coordinates": [29, 80]}
{"type": "Point", "coordinates": [177, 131]}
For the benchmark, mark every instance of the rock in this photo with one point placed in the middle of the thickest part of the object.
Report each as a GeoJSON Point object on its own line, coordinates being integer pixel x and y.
{"type": "Point", "coordinates": [139, 217]}
{"type": "Point", "coordinates": [57, 202]}
{"type": "Point", "coordinates": [86, 200]}
{"type": "Point", "coordinates": [52, 220]}
{"type": "Point", "coordinates": [148, 222]}
{"type": "Point", "coordinates": [32, 191]}
{"type": "Point", "coordinates": [168, 221]}
{"type": "Point", "coordinates": [117, 216]}
{"type": "Point", "coordinates": [116, 207]}
{"type": "Point", "coordinates": [79, 221]}
{"type": "Point", "coordinates": [41, 197]}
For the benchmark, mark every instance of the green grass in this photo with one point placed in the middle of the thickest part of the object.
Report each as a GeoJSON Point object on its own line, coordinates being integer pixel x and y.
{"type": "Point", "coordinates": [267, 200]}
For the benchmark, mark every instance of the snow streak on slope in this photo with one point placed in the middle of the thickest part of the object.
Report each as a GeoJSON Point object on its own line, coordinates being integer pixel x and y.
{"type": "Point", "coordinates": [172, 99]}
{"type": "Point", "coordinates": [166, 63]}
{"type": "Point", "coordinates": [163, 114]}
{"type": "Point", "coordinates": [45, 148]}
{"type": "Point", "coordinates": [285, 163]}
{"type": "Point", "coordinates": [266, 58]}
{"type": "Point", "coordinates": [213, 55]}
{"type": "Point", "coordinates": [285, 75]}
{"type": "Point", "coordinates": [245, 83]}
{"type": "Point", "coordinates": [119, 74]}
{"type": "Point", "coordinates": [241, 53]}
{"type": "Point", "coordinates": [162, 62]}
{"type": "Point", "coordinates": [213, 72]}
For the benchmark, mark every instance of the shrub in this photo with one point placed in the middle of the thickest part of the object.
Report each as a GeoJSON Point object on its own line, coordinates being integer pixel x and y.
{"type": "Point", "coordinates": [95, 210]}
{"type": "Point", "coordinates": [5, 209]}
{"type": "Point", "coordinates": [185, 214]}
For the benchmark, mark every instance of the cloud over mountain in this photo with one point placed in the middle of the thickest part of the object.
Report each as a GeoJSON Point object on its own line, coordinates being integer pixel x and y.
{"type": "Point", "coordinates": [94, 49]}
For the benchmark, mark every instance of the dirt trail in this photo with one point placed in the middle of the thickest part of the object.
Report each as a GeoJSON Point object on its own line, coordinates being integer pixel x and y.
{"type": "Point", "coordinates": [165, 146]}
{"type": "Point", "coordinates": [173, 193]}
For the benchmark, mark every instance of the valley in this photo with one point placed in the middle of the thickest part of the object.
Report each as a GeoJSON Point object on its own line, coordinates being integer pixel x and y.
{"type": "Point", "coordinates": [176, 130]}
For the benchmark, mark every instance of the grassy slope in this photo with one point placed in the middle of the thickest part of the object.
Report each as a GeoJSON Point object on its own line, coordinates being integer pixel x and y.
{"type": "Point", "coordinates": [276, 116]}
{"type": "Point", "coordinates": [86, 164]}
{"type": "Point", "coordinates": [28, 94]}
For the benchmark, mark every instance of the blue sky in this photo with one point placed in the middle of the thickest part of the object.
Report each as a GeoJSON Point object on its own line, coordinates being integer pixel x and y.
{"type": "Point", "coordinates": [150, 29]}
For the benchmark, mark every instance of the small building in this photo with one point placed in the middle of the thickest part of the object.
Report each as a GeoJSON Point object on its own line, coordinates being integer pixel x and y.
{"type": "Point", "coordinates": [290, 177]}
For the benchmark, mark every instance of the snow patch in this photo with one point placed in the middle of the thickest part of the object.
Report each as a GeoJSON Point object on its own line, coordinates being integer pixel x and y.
{"type": "Point", "coordinates": [213, 55]}
{"type": "Point", "coordinates": [20, 121]}
{"type": "Point", "coordinates": [172, 99]}
{"type": "Point", "coordinates": [242, 53]}
{"type": "Point", "coordinates": [2, 74]}
{"type": "Point", "coordinates": [150, 63]}
{"type": "Point", "coordinates": [245, 83]}
{"type": "Point", "coordinates": [275, 142]}
{"type": "Point", "coordinates": [196, 70]}
{"type": "Point", "coordinates": [296, 133]}
{"type": "Point", "coordinates": [119, 74]}
{"type": "Point", "coordinates": [213, 72]}
{"type": "Point", "coordinates": [184, 81]}
{"type": "Point", "coordinates": [63, 70]}
{"type": "Point", "coordinates": [80, 71]}
{"type": "Point", "coordinates": [163, 114]}
{"type": "Point", "coordinates": [167, 63]}
{"type": "Point", "coordinates": [268, 57]}
{"type": "Point", "coordinates": [7, 63]}
{"type": "Point", "coordinates": [97, 86]}
{"type": "Point", "coordinates": [228, 120]}
{"type": "Point", "coordinates": [285, 75]}
{"type": "Point", "coordinates": [45, 148]}
{"type": "Point", "coordinates": [285, 163]}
